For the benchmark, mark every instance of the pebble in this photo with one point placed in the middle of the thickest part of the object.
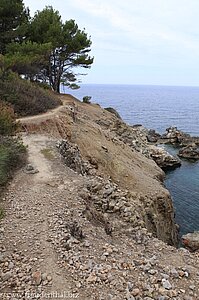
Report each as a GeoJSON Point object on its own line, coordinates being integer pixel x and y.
{"type": "Point", "coordinates": [135, 292]}
{"type": "Point", "coordinates": [10, 266]}
{"type": "Point", "coordinates": [44, 276]}
{"type": "Point", "coordinates": [49, 278]}
{"type": "Point", "coordinates": [37, 277]}
{"type": "Point", "coordinates": [6, 276]}
{"type": "Point", "coordinates": [166, 284]}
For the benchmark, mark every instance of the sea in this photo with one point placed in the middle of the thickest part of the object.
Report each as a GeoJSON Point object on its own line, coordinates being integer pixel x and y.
{"type": "Point", "coordinates": [159, 107]}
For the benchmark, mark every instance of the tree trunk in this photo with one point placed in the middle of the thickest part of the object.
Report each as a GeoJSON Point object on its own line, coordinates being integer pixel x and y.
{"type": "Point", "coordinates": [58, 88]}
{"type": "Point", "coordinates": [57, 83]}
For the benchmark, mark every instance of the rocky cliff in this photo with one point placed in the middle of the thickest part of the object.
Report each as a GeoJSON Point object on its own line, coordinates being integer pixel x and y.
{"type": "Point", "coordinates": [120, 154]}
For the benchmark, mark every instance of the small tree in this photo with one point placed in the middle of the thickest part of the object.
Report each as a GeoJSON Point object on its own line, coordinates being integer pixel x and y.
{"type": "Point", "coordinates": [86, 99]}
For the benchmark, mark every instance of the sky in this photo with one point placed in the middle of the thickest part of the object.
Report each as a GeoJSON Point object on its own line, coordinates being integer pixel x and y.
{"type": "Point", "coordinates": [136, 41]}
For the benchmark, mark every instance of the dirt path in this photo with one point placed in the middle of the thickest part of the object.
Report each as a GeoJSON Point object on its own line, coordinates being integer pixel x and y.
{"type": "Point", "coordinates": [32, 201]}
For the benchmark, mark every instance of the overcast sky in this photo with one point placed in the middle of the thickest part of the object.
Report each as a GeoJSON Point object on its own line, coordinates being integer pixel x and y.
{"type": "Point", "coordinates": [137, 41]}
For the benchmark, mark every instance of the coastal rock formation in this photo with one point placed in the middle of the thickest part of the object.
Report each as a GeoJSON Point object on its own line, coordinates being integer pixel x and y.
{"type": "Point", "coordinates": [175, 136]}
{"type": "Point", "coordinates": [191, 151]}
{"type": "Point", "coordinates": [115, 151]}
{"type": "Point", "coordinates": [137, 137]}
{"type": "Point", "coordinates": [153, 136]}
{"type": "Point", "coordinates": [191, 241]}
{"type": "Point", "coordinates": [104, 196]}
{"type": "Point", "coordinates": [163, 159]}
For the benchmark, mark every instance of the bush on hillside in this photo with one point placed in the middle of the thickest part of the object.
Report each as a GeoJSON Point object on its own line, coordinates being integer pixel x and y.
{"type": "Point", "coordinates": [8, 125]}
{"type": "Point", "coordinates": [87, 99]}
{"type": "Point", "coordinates": [12, 151]}
{"type": "Point", "coordinates": [25, 97]}
{"type": "Point", "coordinates": [12, 156]}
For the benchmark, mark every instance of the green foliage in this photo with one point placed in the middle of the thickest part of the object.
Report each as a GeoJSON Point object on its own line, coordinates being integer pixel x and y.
{"type": "Point", "coordinates": [70, 46]}
{"type": "Point", "coordinates": [46, 26]}
{"type": "Point", "coordinates": [13, 22]}
{"type": "Point", "coordinates": [43, 49]}
{"type": "Point", "coordinates": [8, 125]}
{"type": "Point", "coordinates": [12, 151]}
{"type": "Point", "coordinates": [28, 58]}
{"type": "Point", "coordinates": [12, 155]}
{"type": "Point", "coordinates": [25, 97]}
{"type": "Point", "coordinates": [86, 99]}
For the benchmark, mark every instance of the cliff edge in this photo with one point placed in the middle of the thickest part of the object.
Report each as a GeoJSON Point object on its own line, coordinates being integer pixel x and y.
{"type": "Point", "coordinates": [89, 216]}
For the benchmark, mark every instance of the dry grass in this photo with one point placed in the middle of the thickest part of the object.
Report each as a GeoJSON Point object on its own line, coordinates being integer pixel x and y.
{"type": "Point", "coordinates": [47, 153]}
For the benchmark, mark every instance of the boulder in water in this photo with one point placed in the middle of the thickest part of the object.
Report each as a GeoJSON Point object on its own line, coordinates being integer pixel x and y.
{"type": "Point", "coordinates": [153, 136]}
{"type": "Point", "coordinates": [191, 151]}
{"type": "Point", "coordinates": [175, 136]}
{"type": "Point", "coordinates": [163, 159]}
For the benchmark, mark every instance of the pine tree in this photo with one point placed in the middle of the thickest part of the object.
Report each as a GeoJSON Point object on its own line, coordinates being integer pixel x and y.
{"type": "Point", "coordinates": [13, 22]}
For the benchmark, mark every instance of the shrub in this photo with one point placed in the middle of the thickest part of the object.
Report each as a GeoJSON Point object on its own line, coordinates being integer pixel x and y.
{"type": "Point", "coordinates": [8, 125]}
{"type": "Point", "coordinates": [86, 99]}
{"type": "Point", "coordinates": [12, 154]}
{"type": "Point", "coordinates": [26, 97]}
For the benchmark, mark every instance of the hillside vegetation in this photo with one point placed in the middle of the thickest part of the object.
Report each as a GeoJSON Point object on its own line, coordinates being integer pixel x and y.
{"type": "Point", "coordinates": [12, 151]}
{"type": "Point", "coordinates": [25, 97]}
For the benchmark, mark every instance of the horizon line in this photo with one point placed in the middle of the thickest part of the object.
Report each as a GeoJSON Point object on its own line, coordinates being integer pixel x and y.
{"type": "Point", "coordinates": [140, 84]}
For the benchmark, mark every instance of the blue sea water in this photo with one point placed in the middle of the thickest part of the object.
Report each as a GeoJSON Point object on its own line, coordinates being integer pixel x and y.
{"type": "Point", "coordinates": [159, 107]}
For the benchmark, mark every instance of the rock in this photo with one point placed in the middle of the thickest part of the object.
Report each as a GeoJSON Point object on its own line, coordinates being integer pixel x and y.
{"type": "Point", "coordinates": [153, 136]}
{"type": "Point", "coordinates": [177, 137]}
{"type": "Point", "coordinates": [44, 276]}
{"type": "Point", "coordinates": [2, 257]}
{"type": "Point", "coordinates": [174, 273]}
{"type": "Point", "coordinates": [191, 241]}
{"type": "Point", "coordinates": [11, 265]}
{"type": "Point", "coordinates": [87, 244]}
{"type": "Point", "coordinates": [29, 169]}
{"type": "Point", "coordinates": [135, 292]}
{"type": "Point", "coordinates": [49, 278]}
{"type": "Point", "coordinates": [174, 136]}
{"type": "Point", "coordinates": [72, 157]}
{"type": "Point", "coordinates": [166, 284]}
{"type": "Point", "coordinates": [45, 282]}
{"type": "Point", "coordinates": [6, 276]}
{"type": "Point", "coordinates": [113, 111]}
{"type": "Point", "coordinates": [37, 277]}
{"type": "Point", "coordinates": [105, 148]}
{"type": "Point", "coordinates": [152, 272]}
{"type": "Point", "coordinates": [163, 159]}
{"type": "Point", "coordinates": [191, 151]}
{"type": "Point", "coordinates": [92, 278]}
{"type": "Point", "coordinates": [108, 192]}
